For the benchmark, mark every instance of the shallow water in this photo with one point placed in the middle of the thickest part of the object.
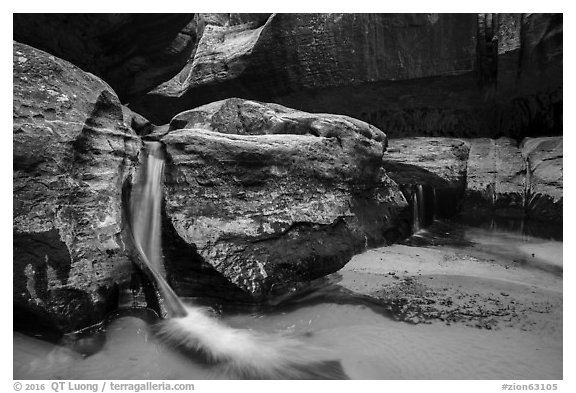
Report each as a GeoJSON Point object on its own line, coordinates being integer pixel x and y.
{"type": "Point", "coordinates": [505, 242]}
{"type": "Point", "coordinates": [369, 346]}
{"type": "Point", "coordinates": [368, 341]}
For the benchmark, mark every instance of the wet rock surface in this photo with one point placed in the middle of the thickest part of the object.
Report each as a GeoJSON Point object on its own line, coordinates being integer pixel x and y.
{"type": "Point", "coordinates": [283, 206]}
{"type": "Point", "coordinates": [71, 155]}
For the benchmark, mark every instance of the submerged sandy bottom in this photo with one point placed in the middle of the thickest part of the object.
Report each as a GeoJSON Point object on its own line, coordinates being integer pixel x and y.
{"type": "Point", "coordinates": [489, 310]}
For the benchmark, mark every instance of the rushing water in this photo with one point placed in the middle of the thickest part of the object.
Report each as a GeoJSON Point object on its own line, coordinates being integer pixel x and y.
{"type": "Point", "coordinates": [146, 204]}
{"type": "Point", "coordinates": [426, 207]}
{"type": "Point", "coordinates": [146, 225]}
{"type": "Point", "coordinates": [417, 209]}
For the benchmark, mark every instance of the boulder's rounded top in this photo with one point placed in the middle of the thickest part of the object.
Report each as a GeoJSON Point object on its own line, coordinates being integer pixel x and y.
{"type": "Point", "coordinates": [246, 117]}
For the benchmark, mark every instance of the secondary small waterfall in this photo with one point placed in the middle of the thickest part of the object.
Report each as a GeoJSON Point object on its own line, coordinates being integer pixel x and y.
{"type": "Point", "coordinates": [145, 211]}
{"type": "Point", "coordinates": [418, 208]}
{"type": "Point", "coordinates": [428, 205]}
{"type": "Point", "coordinates": [434, 205]}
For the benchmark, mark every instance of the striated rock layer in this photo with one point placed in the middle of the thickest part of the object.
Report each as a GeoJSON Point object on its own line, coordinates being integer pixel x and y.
{"type": "Point", "coordinates": [544, 158]}
{"type": "Point", "coordinates": [496, 178]}
{"type": "Point", "coordinates": [272, 197]}
{"type": "Point", "coordinates": [408, 74]}
{"type": "Point", "coordinates": [508, 179]}
{"type": "Point", "coordinates": [132, 52]}
{"type": "Point", "coordinates": [481, 176]}
{"type": "Point", "coordinates": [451, 75]}
{"type": "Point", "coordinates": [438, 162]}
{"type": "Point", "coordinates": [529, 75]}
{"type": "Point", "coordinates": [72, 153]}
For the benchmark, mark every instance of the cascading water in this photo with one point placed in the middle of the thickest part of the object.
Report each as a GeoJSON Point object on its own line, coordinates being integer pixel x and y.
{"type": "Point", "coordinates": [418, 208]}
{"type": "Point", "coordinates": [146, 223]}
{"type": "Point", "coordinates": [239, 352]}
{"type": "Point", "coordinates": [434, 205]}
{"type": "Point", "coordinates": [429, 204]}
{"type": "Point", "coordinates": [146, 206]}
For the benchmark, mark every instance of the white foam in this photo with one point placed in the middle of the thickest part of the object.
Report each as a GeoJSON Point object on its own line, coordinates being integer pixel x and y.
{"type": "Point", "coordinates": [245, 353]}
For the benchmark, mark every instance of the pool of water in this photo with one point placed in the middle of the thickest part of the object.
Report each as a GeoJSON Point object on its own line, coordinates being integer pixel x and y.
{"type": "Point", "coordinates": [366, 339]}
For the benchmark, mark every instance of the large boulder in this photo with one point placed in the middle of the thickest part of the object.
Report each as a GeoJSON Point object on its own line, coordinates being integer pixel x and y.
{"type": "Point", "coordinates": [495, 178]}
{"type": "Point", "coordinates": [132, 52]}
{"type": "Point", "coordinates": [544, 160]}
{"type": "Point", "coordinates": [72, 153]}
{"type": "Point", "coordinates": [272, 197]}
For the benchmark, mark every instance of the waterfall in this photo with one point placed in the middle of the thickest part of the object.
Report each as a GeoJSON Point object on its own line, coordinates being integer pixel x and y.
{"type": "Point", "coordinates": [415, 215]}
{"type": "Point", "coordinates": [418, 209]}
{"type": "Point", "coordinates": [146, 205]}
{"type": "Point", "coordinates": [428, 205]}
{"type": "Point", "coordinates": [145, 211]}
{"type": "Point", "coordinates": [434, 205]}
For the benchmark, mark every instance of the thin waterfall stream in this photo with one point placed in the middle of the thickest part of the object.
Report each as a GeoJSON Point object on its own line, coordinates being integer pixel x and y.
{"type": "Point", "coordinates": [146, 205]}
{"type": "Point", "coordinates": [146, 224]}
{"type": "Point", "coordinates": [418, 209]}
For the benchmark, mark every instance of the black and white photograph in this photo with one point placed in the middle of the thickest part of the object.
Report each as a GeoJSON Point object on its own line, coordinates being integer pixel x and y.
{"type": "Point", "coordinates": [286, 196]}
